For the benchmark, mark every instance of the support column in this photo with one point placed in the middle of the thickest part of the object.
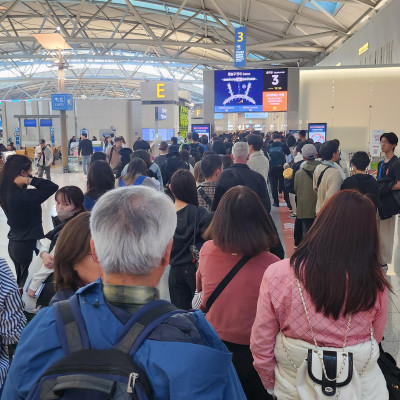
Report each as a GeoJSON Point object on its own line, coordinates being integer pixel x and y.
{"type": "Point", "coordinates": [63, 121]}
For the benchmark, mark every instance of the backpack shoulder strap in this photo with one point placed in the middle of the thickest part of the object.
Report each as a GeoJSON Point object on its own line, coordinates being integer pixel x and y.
{"type": "Point", "coordinates": [309, 174]}
{"type": "Point", "coordinates": [321, 175]}
{"type": "Point", "coordinates": [142, 323]}
{"type": "Point", "coordinates": [204, 196]}
{"type": "Point", "coordinates": [139, 180]}
{"type": "Point", "coordinates": [71, 327]}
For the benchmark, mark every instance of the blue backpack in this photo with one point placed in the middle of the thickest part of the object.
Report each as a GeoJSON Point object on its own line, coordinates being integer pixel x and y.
{"type": "Point", "coordinates": [277, 156]}
{"type": "Point", "coordinates": [89, 374]}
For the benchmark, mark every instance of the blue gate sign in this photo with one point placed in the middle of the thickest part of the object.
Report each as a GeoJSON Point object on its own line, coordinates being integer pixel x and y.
{"type": "Point", "coordinates": [52, 139]}
{"type": "Point", "coordinates": [46, 122]}
{"type": "Point", "coordinates": [51, 130]}
{"type": "Point", "coordinates": [62, 102]}
{"type": "Point", "coordinates": [240, 47]}
{"type": "Point", "coordinates": [17, 140]}
{"type": "Point", "coordinates": [16, 131]}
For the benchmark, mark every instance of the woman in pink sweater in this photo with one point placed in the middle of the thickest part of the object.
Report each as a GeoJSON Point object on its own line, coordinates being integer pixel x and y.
{"type": "Point", "coordinates": [337, 273]}
{"type": "Point", "coordinates": [241, 230]}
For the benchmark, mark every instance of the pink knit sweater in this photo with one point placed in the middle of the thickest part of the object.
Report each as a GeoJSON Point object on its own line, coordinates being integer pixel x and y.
{"type": "Point", "coordinates": [280, 308]}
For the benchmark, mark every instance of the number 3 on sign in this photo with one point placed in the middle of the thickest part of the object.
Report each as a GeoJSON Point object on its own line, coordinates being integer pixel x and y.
{"type": "Point", "coordinates": [240, 37]}
{"type": "Point", "coordinates": [275, 80]}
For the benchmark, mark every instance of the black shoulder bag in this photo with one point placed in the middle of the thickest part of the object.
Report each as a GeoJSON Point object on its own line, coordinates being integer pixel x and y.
{"type": "Point", "coordinates": [204, 196]}
{"type": "Point", "coordinates": [224, 283]}
{"type": "Point", "coordinates": [194, 251]}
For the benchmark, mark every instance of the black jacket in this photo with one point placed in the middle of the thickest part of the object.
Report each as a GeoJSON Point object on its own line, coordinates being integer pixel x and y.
{"type": "Point", "coordinates": [172, 164]}
{"type": "Point", "coordinates": [365, 184]}
{"type": "Point", "coordinates": [241, 174]}
{"type": "Point", "coordinates": [184, 234]}
{"type": "Point", "coordinates": [24, 211]}
{"type": "Point", "coordinates": [85, 147]}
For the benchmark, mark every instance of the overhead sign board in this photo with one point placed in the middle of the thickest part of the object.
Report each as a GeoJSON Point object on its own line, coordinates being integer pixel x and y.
{"type": "Point", "coordinates": [62, 102]}
{"type": "Point", "coordinates": [240, 47]}
{"type": "Point", "coordinates": [46, 122]}
{"type": "Point", "coordinates": [30, 123]}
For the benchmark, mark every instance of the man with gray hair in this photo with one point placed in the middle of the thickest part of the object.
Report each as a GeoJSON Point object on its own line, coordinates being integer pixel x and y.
{"type": "Point", "coordinates": [239, 173]}
{"type": "Point", "coordinates": [132, 242]}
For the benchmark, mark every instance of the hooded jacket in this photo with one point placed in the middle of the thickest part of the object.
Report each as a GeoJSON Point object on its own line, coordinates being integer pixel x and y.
{"type": "Point", "coordinates": [183, 357]}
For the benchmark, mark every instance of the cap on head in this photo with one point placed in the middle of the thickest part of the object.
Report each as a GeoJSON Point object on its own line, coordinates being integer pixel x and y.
{"type": "Point", "coordinates": [42, 141]}
{"type": "Point", "coordinates": [309, 151]}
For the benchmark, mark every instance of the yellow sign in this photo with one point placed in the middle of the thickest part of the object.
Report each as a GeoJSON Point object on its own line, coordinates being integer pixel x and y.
{"type": "Point", "coordinates": [363, 49]}
{"type": "Point", "coordinates": [160, 90]}
{"type": "Point", "coordinates": [197, 113]}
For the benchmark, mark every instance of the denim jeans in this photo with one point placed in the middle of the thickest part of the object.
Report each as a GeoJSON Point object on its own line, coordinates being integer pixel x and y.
{"type": "Point", "coordinates": [85, 164]}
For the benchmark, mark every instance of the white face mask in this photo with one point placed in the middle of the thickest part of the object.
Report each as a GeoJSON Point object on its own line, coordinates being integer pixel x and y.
{"type": "Point", "coordinates": [63, 215]}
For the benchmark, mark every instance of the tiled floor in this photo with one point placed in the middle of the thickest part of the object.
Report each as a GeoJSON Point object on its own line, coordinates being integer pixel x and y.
{"type": "Point", "coordinates": [392, 333]}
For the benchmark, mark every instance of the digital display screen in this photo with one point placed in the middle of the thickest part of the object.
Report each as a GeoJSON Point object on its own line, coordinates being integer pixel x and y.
{"type": "Point", "coordinates": [275, 80]}
{"type": "Point", "coordinates": [30, 123]}
{"type": "Point", "coordinates": [238, 91]}
{"type": "Point", "coordinates": [201, 129]}
{"type": "Point", "coordinates": [262, 90]}
{"type": "Point", "coordinates": [161, 114]}
{"type": "Point", "coordinates": [166, 134]}
{"type": "Point", "coordinates": [148, 134]}
{"type": "Point", "coordinates": [317, 132]}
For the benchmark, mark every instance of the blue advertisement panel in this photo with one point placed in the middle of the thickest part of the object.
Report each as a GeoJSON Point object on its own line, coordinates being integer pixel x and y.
{"type": "Point", "coordinates": [317, 132]}
{"type": "Point", "coordinates": [46, 122]}
{"type": "Point", "coordinates": [240, 47]}
{"type": "Point", "coordinates": [17, 140]}
{"type": "Point", "coordinates": [166, 134]}
{"type": "Point", "coordinates": [62, 102]}
{"type": "Point", "coordinates": [30, 123]}
{"type": "Point", "coordinates": [238, 91]}
{"type": "Point", "coordinates": [201, 129]}
{"type": "Point", "coordinates": [148, 134]}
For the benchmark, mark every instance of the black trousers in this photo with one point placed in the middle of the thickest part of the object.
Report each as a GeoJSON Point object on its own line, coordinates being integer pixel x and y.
{"type": "Point", "coordinates": [242, 360]}
{"type": "Point", "coordinates": [276, 179]}
{"type": "Point", "coordinates": [21, 252]}
{"type": "Point", "coordinates": [182, 285]}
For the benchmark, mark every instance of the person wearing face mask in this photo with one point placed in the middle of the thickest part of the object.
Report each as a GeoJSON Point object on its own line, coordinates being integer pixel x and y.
{"type": "Point", "coordinates": [40, 284]}
{"type": "Point", "coordinates": [23, 210]}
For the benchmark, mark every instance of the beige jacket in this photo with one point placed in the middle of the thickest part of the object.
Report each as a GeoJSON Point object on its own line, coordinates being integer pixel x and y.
{"type": "Point", "coordinates": [259, 163]}
{"type": "Point", "coordinates": [330, 184]}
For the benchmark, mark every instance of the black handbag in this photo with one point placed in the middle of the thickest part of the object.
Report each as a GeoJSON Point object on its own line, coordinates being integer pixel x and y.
{"type": "Point", "coordinates": [391, 372]}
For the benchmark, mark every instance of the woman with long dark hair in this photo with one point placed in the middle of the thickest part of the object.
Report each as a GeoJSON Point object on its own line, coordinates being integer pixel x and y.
{"type": "Point", "coordinates": [240, 232]}
{"type": "Point", "coordinates": [331, 295]}
{"type": "Point", "coordinates": [23, 209]}
{"type": "Point", "coordinates": [189, 230]}
{"type": "Point", "coordinates": [74, 266]}
{"type": "Point", "coordinates": [100, 179]}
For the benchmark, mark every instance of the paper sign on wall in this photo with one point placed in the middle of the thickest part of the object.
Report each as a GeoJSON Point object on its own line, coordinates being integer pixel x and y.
{"type": "Point", "coordinates": [375, 143]}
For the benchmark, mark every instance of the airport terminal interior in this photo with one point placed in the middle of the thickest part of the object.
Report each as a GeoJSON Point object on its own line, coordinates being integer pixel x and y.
{"type": "Point", "coordinates": [308, 74]}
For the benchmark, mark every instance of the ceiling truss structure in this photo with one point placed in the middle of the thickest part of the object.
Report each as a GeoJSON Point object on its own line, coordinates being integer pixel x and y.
{"type": "Point", "coordinates": [116, 44]}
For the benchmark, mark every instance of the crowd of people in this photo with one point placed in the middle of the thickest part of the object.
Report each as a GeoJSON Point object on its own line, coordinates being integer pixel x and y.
{"type": "Point", "coordinates": [247, 320]}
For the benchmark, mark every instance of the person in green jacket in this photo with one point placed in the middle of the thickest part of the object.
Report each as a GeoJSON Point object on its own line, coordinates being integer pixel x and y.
{"type": "Point", "coordinates": [303, 186]}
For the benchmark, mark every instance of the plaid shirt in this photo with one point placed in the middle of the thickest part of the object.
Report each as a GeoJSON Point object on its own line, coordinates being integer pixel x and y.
{"type": "Point", "coordinates": [130, 298]}
{"type": "Point", "coordinates": [209, 189]}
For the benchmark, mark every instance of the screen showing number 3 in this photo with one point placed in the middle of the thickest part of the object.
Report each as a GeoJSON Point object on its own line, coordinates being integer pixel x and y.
{"type": "Point", "coordinates": [275, 80]}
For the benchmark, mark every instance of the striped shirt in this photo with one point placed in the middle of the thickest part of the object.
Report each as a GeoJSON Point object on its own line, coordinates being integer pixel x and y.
{"type": "Point", "coordinates": [12, 318]}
